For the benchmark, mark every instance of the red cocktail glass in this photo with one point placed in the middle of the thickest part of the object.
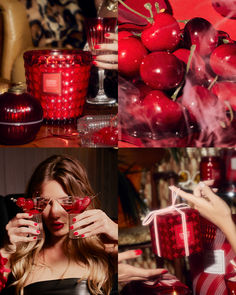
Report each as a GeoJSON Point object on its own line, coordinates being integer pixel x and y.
{"type": "Point", "coordinates": [96, 28]}
{"type": "Point", "coordinates": [32, 206]}
{"type": "Point", "coordinates": [75, 205]}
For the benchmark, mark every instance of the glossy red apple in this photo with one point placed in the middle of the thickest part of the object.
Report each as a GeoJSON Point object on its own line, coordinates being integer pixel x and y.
{"type": "Point", "coordinates": [124, 34]}
{"type": "Point", "coordinates": [130, 55]}
{"type": "Point", "coordinates": [162, 70]}
{"type": "Point", "coordinates": [223, 61]}
{"type": "Point", "coordinates": [163, 34]}
{"type": "Point", "coordinates": [226, 91]}
{"type": "Point", "coordinates": [164, 114]}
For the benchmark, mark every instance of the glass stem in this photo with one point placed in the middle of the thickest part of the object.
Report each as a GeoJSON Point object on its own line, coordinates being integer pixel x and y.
{"type": "Point", "coordinates": [101, 76]}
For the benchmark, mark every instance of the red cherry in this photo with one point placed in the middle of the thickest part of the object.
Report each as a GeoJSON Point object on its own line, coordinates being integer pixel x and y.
{"type": "Point", "coordinates": [226, 91]}
{"type": "Point", "coordinates": [223, 61]}
{"type": "Point", "coordinates": [162, 70]}
{"type": "Point", "coordinates": [163, 34]}
{"type": "Point", "coordinates": [164, 113]}
{"type": "Point", "coordinates": [33, 211]}
{"type": "Point", "coordinates": [29, 204]}
{"type": "Point", "coordinates": [200, 32]}
{"type": "Point", "coordinates": [130, 55]}
{"type": "Point", "coordinates": [124, 34]}
{"type": "Point", "coordinates": [225, 8]}
{"type": "Point", "coordinates": [20, 202]}
{"type": "Point", "coordinates": [196, 99]}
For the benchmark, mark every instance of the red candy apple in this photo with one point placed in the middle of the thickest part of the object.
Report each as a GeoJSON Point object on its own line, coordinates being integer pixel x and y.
{"type": "Point", "coordinates": [130, 55]}
{"type": "Point", "coordinates": [163, 34]}
{"type": "Point", "coordinates": [162, 70]}
{"type": "Point", "coordinates": [164, 113]}
{"type": "Point", "coordinates": [223, 61]}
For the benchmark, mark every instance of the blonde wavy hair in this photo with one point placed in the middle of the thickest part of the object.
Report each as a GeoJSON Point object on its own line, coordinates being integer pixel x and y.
{"type": "Point", "coordinates": [71, 175]}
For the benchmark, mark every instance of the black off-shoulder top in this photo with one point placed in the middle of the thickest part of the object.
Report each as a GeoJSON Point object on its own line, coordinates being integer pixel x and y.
{"type": "Point", "coordinates": [69, 286]}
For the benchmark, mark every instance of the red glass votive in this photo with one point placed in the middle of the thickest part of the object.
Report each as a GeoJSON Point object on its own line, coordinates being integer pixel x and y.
{"type": "Point", "coordinates": [210, 168]}
{"type": "Point", "coordinates": [177, 290]}
{"type": "Point", "coordinates": [59, 79]}
{"type": "Point", "coordinates": [230, 281]}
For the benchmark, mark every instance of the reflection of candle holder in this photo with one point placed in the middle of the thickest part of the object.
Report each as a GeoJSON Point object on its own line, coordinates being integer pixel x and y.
{"type": "Point", "coordinates": [230, 281]}
{"type": "Point", "coordinates": [59, 79]}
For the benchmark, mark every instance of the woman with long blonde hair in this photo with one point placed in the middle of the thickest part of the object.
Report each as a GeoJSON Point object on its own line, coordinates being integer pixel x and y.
{"type": "Point", "coordinates": [57, 264]}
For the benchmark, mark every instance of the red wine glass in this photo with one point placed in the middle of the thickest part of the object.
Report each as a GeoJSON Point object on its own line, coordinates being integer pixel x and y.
{"type": "Point", "coordinates": [96, 28]}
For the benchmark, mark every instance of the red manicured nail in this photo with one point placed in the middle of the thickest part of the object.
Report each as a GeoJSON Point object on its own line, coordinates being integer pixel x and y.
{"type": "Point", "coordinates": [35, 238]}
{"type": "Point", "coordinates": [74, 219]}
{"type": "Point", "coordinates": [107, 35]}
{"type": "Point", "coordinates": [75, 233]}
{"type": "Point", "coordinates": [82, 236]}
{"type": "Point", "coordinates": [38, 231]}
{"type": "Point", "coordinates": [71, 227]}
{"type": "Point", "coordinates": [164, 271]}
{"type": "Point", "coordinates": [94, 62]}
{"type": "Point", "coordinates": [97, 46]}
{"type": "Point", "coordinates": [30, 214]}
{"type": "Point", "coordinates": [35, 224]}
{"type": "Point", "coordinates": [138, 252]}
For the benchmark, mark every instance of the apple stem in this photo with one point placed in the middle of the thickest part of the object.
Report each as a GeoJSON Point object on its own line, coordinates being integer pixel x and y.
{"type": "Point", "coordinates": [225, 41]}
{"type": "Point", "coordinates": [175, 94]}
{"type": "Point", "coordinates": [213, 82]}
{"type": "Point", "coordinates": [149, 19]}
{"type": "Point", "coordinates": [148, 6]}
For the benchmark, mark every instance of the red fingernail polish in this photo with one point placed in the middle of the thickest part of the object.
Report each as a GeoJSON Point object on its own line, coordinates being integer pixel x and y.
{"type": "Point", "coordinates": [94, 62]}
{"type": "Point", "coordinates": [75, 233]}
{"type": "Point", "coordinates": [35, 238]}
{"type": "Point", "coordinates": [97, 46]}
{"type": "Point", "coordinates": [71, 227]}
{"type": "Point", "coordinates": [35, 224]}
{"type": "Point", "coordinates": [82, 236]}
{"type": "Point", "coordinates": [138, 252]}
{"type": "Point", "coordinates": [30, 214]}
{"type": "Point", "coordinates": [74, 219]}
{"type": "Point", "coordinates": [107, 35]}
{"type": "Point", "coordinates": [164, 271]}
{"type": "Point", "coordinates": [38, 231]}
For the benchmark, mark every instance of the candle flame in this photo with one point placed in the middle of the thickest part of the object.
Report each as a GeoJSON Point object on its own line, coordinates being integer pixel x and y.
{"type": "Point", "coordinates": [174, 293]}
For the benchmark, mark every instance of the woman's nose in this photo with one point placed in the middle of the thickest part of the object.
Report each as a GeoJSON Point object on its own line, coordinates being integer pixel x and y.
{"type": "Point", "coordinates": [56, 210]}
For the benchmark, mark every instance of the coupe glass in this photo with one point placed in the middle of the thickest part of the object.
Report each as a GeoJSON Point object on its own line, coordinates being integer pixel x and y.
{"type": "Point", "coordinates": [96, 28]}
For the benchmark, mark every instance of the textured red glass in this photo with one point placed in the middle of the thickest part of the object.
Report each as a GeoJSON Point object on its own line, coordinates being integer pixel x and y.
{"type": "Point", "coordinates": [59, 79]}
{"type": "Point", "coordinates": [21, 116]}
{"type": "Point", "coordinates": [210, 168]}
{"type": "Point", "coordinates": [230, 281]}
{"type": "Point", "coordinates": [171, 234]}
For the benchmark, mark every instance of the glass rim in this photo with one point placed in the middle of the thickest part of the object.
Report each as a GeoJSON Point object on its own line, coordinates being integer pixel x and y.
{"type": "Point", "coordinates": [55, 51]}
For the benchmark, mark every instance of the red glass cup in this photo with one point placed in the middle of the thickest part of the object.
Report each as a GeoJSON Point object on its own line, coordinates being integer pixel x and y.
{"type": "Point", "coordinates": [230, 281]}
{"type": "Point", "coordinates": [75, 205]}
{"type": "Point", "coordinates": [59, 79]}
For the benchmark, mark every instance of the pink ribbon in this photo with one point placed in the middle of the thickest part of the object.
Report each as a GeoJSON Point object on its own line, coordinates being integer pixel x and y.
{"type": "Point", "coordinates": [152, 217]}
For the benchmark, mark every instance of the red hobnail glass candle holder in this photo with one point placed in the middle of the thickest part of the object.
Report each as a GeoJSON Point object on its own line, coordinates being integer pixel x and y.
{"type": "Point", "coordinates": [59, 79]}
{"type": "Point", "coordinates": [230, 281]}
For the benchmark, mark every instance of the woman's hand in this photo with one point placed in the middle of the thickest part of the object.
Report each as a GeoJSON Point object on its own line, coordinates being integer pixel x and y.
{"type": "Point", "coordinates": [108, 61]}
{"type": "Point", "coordinates": [94, 222]}
{"type": "Point", "coordinates": [211, 207]}
{"type": "Point", "coordinates": [128, 273]}
{"type": "Point", "coordinates": [19, 229]}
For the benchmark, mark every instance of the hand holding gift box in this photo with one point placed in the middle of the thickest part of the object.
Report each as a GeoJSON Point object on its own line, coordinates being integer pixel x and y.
{"type": "Point", "coordinates": [175, 230]}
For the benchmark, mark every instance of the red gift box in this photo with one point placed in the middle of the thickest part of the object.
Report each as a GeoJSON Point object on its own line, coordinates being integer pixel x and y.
{"type": "Point", "coordinates": [209, 267]}
{"type": "Point", "coordinates": [175, 231]}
